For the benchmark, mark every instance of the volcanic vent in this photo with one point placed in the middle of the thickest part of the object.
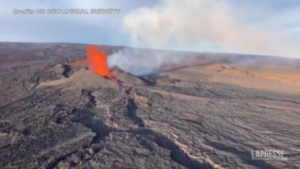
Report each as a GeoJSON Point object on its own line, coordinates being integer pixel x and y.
{"type": "Point", "coordinates": [95, 74]}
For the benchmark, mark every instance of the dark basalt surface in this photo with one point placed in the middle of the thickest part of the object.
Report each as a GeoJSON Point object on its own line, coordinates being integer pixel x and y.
{"type": "Point", "coordinates": [202, 125]}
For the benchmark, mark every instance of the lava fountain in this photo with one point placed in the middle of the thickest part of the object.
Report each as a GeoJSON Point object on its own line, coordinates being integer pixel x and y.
{"type": "Point", "coordinates": [97, 61]}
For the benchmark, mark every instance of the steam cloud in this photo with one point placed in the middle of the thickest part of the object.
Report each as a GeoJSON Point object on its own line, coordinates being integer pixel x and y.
{"type": "Point", "coordinates": [177, 24]}
{"type": "Point", "coordinates": [142, 62]}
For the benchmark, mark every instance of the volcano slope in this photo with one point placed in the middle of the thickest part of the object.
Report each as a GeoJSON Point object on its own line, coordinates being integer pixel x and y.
{"type": "Point", "coordinates": [208, 115]}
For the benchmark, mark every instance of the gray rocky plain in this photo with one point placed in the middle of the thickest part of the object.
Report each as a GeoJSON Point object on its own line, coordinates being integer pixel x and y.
{"type": "Point", "coordinates": [52, 116]}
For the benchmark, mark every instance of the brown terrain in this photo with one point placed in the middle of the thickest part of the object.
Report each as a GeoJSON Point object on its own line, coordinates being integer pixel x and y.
{"type": "Point", "coordinates": [209, 112]}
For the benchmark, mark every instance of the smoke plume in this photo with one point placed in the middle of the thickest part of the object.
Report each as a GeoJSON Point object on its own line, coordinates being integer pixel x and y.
{"type": "Point", "coordinates": [144, 61]}
{"type": "Point", "coordinates": [196, 24]}
{"type": "Point", "coordinates": [178, 24]}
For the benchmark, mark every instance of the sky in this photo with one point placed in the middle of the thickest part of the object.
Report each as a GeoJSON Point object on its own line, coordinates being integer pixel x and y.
{"type": "Point", "coordinates": [267, 27]}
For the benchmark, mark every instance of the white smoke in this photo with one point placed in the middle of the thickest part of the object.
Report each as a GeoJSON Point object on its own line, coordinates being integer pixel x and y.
{"type": "Point", "coordinates": [178, 25]}
{"type": "Point", "coordinates": [142, 61]}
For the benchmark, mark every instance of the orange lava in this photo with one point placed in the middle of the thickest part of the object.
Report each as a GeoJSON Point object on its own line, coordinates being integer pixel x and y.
{"type": "Point", "coordinates": [97, 61]}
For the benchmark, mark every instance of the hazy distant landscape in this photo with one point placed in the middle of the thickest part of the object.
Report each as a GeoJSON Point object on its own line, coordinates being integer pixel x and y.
{"type": "Point", "coordinates": [169, 109]}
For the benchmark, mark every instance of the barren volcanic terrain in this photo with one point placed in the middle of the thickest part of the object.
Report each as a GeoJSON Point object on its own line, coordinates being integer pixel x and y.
{"type": "Point", "coordinates": [209, 112]}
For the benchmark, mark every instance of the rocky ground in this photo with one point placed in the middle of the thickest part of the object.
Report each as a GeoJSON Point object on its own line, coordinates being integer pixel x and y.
{"type": "Point", "coordinates": [55, 117]}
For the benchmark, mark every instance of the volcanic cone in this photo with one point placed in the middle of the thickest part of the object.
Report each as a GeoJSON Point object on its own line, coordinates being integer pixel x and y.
{"type": "Point", "coordinates": [126, 77]}
{"type": "Point", "coordinates": [80, 79]}
{"type": "Point", "coordinates": [98, 62]}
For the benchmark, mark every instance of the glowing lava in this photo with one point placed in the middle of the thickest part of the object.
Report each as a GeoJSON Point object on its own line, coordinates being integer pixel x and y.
{"type": "Point", "coordinates": [97, 61]}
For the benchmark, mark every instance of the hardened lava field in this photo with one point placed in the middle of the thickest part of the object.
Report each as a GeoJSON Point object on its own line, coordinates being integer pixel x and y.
{"type": "Point", "coordinates": [57, 111]}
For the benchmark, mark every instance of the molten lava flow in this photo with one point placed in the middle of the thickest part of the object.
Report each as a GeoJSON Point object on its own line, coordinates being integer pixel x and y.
{"type": "Point", "coordinates": [98, 62]}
